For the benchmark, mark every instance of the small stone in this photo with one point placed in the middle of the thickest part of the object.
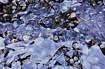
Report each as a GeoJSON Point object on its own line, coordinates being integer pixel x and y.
{"type": "Point", "coordinates": [14, 40]}
{"type": "Point", "coordinates": [87, 40]}
{"type": "Point", "coordinates": [5, 15]}
{"type": "Point", "coordinates": [71, 61]}
{"type": "Point", "coordinates": [62, 20]}
{"type": "Point", "coordinates": [37, 6]}
{"type": "Point", "coordinates": [4, 10]}
{"type": "Point", "coordinates": [67, 20]}
{"type": "Point", "coordinates": [75, 58]}
{"type": "Point", "coordinates": [71, 25]}
{"type": "Point", "coordinates": [26, 37]}
{"type": "Point", "coordinates": [10, 35]}
{"type": "Point", "coordinates": [56, 38]}
{"type": "Point", "coordinates": [102, 46]}
{"type": "Point", "coordinates": [76, 45]}
{"type": "Point", "coordinates": [76, 21]}
{"type": "Point", "coordinates": [24, 7]}
{"type": "Point", "coordinates": [13, 11]}
{"type": "Point", "coordinates": [75, 29]}
{"type": "Point", "coordinates": [22, 3]}
{"type": "Point", "coordinates": [79, 61]}
{"type": "Point", "coordinates": [73, 14]}
{"type": "Point", "coordinates": [14, 7]}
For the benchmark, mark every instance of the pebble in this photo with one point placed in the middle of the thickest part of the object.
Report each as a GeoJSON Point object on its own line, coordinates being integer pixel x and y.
{"type": "Point", "coordinates": [14, 7]}
{"type": "Point", "coordinates": [26, 37]}
{"type": "Point", "coordinates": [67, 20]}
{"type": "Point", "coordinates": [37, 6]}
{"type": "Point", "coordinates": [56, 38]}
{"type": "Point", "coordinates": [76, 29]}
{"type": "Point", "coordinates": [102, 45]}
{"type": "Point", "coordinates": [76, 45]}
{"type": "Point", "coordinates": [13, 11]}
{"type": "Point", "coordinates": [87, 40]}
{"type": "Point", "coordinates": [75, 58]}
{"type": "Point", "coordinates": [71, 24]}
{"type": "Point", "coordinates": [10, 35]}
{"type": "Point", "coordinates": [14, 40]}
{"type": "Point", "coordinates": [71, 61]}
{"type": "Point", "coordinates": [5, 15]}
{"type": "Point", "coordinates": [4, 10]}
{"type": "Point", "coordinates": [24, 7]}
{"type": "Point", "coordinates": [72, 15]}
{"type": "Point", "coordinates": [22, 3]}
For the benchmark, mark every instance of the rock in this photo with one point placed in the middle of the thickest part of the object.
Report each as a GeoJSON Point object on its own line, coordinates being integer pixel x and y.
{"type": "Point", "coordinates": [14, 40]}
{"type": "Point", "coordinates": [56, 38]}
{"type": "Point", "coordinates": [14, 7]}
{"type": "Point", "coordinates": [37, 6]}
{"type": "Point", "coordinates": [24, 7]}
{"type": "Point", "coordinates": [102, 45]}
{"type": "Point", "coordinates": [22, 3]}
{"type": "Point", "coordinates": [71, 61]}
{"type": "Point", "coordinates": [72, 15]}
{"type": "Point", "coordinates": [77, 30]}
{"type": "Point", "coordinates": [10, 35]}
{"type": "Point", "coordinates": [75, 58]}
{"type": "Point", "coordinates": [26, 37]}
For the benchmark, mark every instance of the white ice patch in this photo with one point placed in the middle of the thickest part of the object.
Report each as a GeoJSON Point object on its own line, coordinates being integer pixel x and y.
{"type": "Point", "coordinates": [94, 57]}
{"type": "Point", "coordinates": [2, 46]}
{"type": "Point", "coordinates": [65, 5]}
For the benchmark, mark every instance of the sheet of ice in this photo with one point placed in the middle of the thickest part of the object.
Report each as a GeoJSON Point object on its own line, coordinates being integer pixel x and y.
{"type": "Point", "coordinates": [2, 46]}
{"type": "Point", "coordinates": [66, 4]}
{"type": "Point", "coordinates": [61, 60]}
{"type": "Point", "coordinates": [94, 57]}
{"type": "Point", "coordinates": [43, 50]}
